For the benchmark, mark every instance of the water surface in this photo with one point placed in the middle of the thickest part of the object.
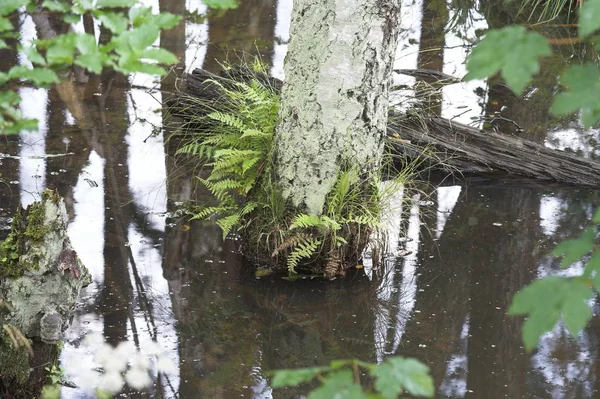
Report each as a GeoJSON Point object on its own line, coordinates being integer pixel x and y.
{"type": "Point", "coordinates": [158, 278]}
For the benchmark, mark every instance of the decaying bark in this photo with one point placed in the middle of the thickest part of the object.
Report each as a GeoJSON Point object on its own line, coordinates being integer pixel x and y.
{"type": "Point", "coordinates": [335, 97]}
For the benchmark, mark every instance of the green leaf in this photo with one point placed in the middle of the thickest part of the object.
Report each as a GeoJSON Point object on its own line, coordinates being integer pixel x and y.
{"type": "Point", "coordinates": [139, 15]}
{"type": "Point", "coordinates": [589, 17]}
{"type": "Point", "coordinates": [574, 249]}
{"type": "Point", "coordinates": [338, 364]}
{"type": "Point", "coordinates": [143, 37]}
{"type": "Point", "coordinates": [221, 4]}
{"type": "Point", "coordinates": [20, 125]}
{"type": "Point", "coordinates": [39, 76]}
{"type": "Point", "coordinates": [285, 378]}
{"type": "Point", "coordinates": [596, 218]}
{"type": "Point", "coordinates": [397, 375]}
{"type": "Point", "coordinates": [594, 266]}
{"type": "Point", "coordinates": [56, 5]}
{"type": "Point", "coordinates": [87, 5]}
{"type": "Point", "coordinates": [5, 24]}
{"type": "Point", "coordinates": [116, 23]}
{"type": "Point", "coordinates": [339, 385]}
{"type": "Point", "coordinates": [575, 310]}
{"type": "Point", "coordinates": [92, 62]}
{"type": "Point", "coordinates": [71, 18]}
{"type": "Point", "coordinates": [166, 20]}
{"type": "Point", "coordinates": [536, 325]}
{"type": "Point", "coordinates": [61, 50]}
{"type": "Point", "coordinates": [8, 6]}
{"type": "Point", "coordinates": [544, 300]}
{"type": "Point", "coordinates": [132, 65]}
{"type": "Point", "coordinates": [115, 3]}
{"type": "Point", "coordinates": [583, 82]}
{"type": "Point", "coordinates": [161, 55]}
{"type": "Point", "coordinates": [33, 55]}
{"type": "Point", "coordinates": [86, 44]}
{"type": "Point", "coordinates": [542, 293]}
{"type": "Point", "coordinates": [512, 50]}
{"type": "Point", "coordinates": [9, 97]}
{"type": "Point", "coordinates": [3, 44]}
{"type": "Point", "coordinates": [143, 15]}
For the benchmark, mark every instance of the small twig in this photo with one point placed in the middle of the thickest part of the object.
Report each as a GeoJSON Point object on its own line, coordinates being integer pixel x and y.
{"type": "Point", "coordinates": [356, 373]}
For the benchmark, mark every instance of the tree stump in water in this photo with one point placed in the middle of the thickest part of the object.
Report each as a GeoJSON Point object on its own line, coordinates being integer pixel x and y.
{"type": "Point", "coordinates": [441, 144]}
{"type": "Point", "coordinates": [40, 280]}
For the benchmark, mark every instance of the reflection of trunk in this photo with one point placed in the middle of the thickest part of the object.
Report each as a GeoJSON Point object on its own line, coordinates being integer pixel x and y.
{"type": "Point", "coordinates": [249, 29]}
{"type": "Point", "coordinates": [335, 97]}
{"type": "Point", "coordinates": [217, 355]}
{"type": "Point", "coordinates": [502, 262]}
{"type": "Point", "coordinates": [442, 302]}
{"type": "Point", "coordinates": [431, 54]}
{"type": "Point", "coordinates": [117, 291]}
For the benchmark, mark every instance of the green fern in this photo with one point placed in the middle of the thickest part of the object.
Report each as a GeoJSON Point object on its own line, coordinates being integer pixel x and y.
{"type": "Point", "coordinates": [228, 120]}
{"type": "Point", "coordinates": [304, 249]}
{"type": "Point", "coordinates": [228, 223]}
{"type": "Point", "coordinates": [305, 221]}
{"type": "Point", "coordinates": [236, 142]}
{"type": "Point", "coordinates": [237, 149]}
{"type": "Point", "coordinates": [205, 213]}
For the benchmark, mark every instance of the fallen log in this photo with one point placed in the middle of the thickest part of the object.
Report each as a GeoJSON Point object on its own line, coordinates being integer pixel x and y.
{"type": "Point", "coordinates": [440, 144]}
{"type": "Point", "coordinates": [463, 150]}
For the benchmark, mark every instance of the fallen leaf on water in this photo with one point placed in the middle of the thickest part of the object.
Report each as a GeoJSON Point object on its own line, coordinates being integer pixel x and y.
{"type": "Point", "coordinates": [359, 266]}
{"type": "Point", "coordinates": [185, 227]}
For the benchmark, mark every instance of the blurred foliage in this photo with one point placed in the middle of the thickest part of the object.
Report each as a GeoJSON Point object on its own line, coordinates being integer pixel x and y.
{"type": "Point", "coordinates": [545, 300]}
{"type": "Point", "coordinates": [134, 31]}
{"type": "Point", "coordinates": [514, 52]}
{"type": "Point", "coordinates": [342, 379]}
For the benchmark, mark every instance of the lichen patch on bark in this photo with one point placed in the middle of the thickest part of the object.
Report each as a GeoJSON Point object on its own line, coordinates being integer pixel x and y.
{"type": "Point", "coordinates": [334, 99]}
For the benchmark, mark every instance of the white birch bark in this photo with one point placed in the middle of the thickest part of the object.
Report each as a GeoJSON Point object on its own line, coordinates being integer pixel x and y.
{"type": "Point", "coordinates": [335, 96]}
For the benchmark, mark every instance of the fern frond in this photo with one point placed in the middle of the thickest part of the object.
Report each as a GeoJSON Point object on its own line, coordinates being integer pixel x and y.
{"type": "Point", "coordinates": [221, 195]}
{"type": "Point", "coordinates": [303, 250]}
{"type": "Point", "coordinates": [205, 213]}
{"type": "Point", "coordinates": [235, 153]}
{"type": "Point", "coordinates": [305, 221]}
{"type": "Point", "coordinates": [225, 185]}
{"type": "Point", "coordinates": [322, 222]}
{"type": "Point", "coordinates": [249, 207]}
{"type": "Point", "coordinates": [228, 223]}
{"type": "Point", "coordinates": [290, 242]}
{"type": "Point", "coordinates": [330, 223]}
{"type": "Point", "coordinates": [365, 220]}
{"type": "Point", "coordinates": [249, 163]}
{"type": "Point", "coordinates": [254, 133]}
{"type": "Point", "coordinates": [228, 120]}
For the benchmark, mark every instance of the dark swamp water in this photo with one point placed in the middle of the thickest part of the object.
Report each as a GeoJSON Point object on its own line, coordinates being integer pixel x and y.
{"type": "Point", "coordinates": [473, 246]}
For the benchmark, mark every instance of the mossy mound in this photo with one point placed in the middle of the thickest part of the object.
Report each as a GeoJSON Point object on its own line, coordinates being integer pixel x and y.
{"type": "Point", "coordinates": [40, 273]}
{"type": "Point", "coordinates": [33, 230]}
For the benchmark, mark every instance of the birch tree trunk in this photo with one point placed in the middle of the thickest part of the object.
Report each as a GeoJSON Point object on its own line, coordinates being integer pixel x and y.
{"type": "Point", "coordinates": [335, 96]}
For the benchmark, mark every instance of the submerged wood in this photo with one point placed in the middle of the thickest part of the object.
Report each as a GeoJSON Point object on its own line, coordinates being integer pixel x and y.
{"type": "Point", "coordinates": [441, 144]}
